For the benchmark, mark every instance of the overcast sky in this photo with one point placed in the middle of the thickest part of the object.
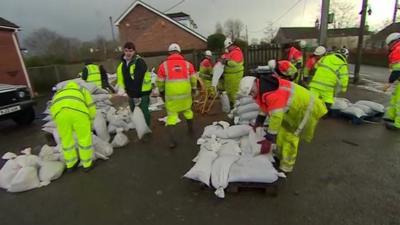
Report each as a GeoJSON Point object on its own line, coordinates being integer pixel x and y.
{"type": "Point", "coordinates": [86, 19]}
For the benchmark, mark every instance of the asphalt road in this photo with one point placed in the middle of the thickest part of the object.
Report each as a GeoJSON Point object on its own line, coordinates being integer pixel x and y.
{"type": "Point", "coordinates": [349, 174]}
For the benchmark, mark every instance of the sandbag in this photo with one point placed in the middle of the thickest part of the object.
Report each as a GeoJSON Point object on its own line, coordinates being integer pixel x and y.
{"type": "Point", "coordinates": [226, 108]}
{"type": "Point", "coordinates": [120, 139]}
{"type": "Point", "coordinates": [47, 118]}
{"type": "Point", "coordinates": [26, 179]}
{"type": "Point", "coordinates": [140, 122]}
{"type": "Point", "coordinates": [47, 153]}
{"type": "Point", "coordinates": [252, 107]}
{"type": "Point", "coordinates": [220, 172]}
{"type": "Point", "coordinates": [366, 109]}
{"type": "Point", "coordinates": [340, 104]}
{"type": "Point", "coordinates": [253, 169]}
{"type": "Point", "coordinates": [352, 110]}
{"type": "Point", "coordinates": [246, 100]}
{"type": "Point", "coordinates": [218, 70]}
{"type": "Point", "coordinates": [101, 97]}
{"type": "Point", "coordinates": [50, 124]}
{"type": "Point", "coordinates": [102, 149]}
{"type": "Point", "coordinates": [50, 170]}
{"type": "Point", "coordinates": [8, 172]}
{"type": "Point", "coordinates": [229, 147]}
{"type": "Point", "coordinates": [100, 127]}
{"type": "Point", "coordinates": [245, 146]}
{"type": "Point", "coordinates": [248, 116]}
{"type": "Point", "coordinates": [201, 171]}
{"type": "Point", "coordinates": [233, 132]}
{"type": "Point", "coordinates": [28, 161]}
{"type": "Point", "coordinates": [373, 105]}
{"type": "Point", "coordinates": [9, 155]}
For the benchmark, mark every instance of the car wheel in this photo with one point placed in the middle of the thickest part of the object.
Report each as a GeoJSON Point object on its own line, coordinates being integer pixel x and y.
{"type": "Point", "coordinates": [25, 117]}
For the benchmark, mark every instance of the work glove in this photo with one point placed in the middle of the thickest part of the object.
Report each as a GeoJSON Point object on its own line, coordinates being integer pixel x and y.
{"type": "Point", "coordinates": [137, 101]}
{"type": "Point", "coordinates": [265, 146]}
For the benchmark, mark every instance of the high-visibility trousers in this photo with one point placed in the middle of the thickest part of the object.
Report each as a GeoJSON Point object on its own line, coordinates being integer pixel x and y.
{"type": "Point", "coordinates": [172, 117]}
{"type": "Point", "coordinates": [70, 122]}
{"type": "Point", "coordinates": [231, 85]}
{"type": "Point", "coordinates": [393, 110]}
{"type": "Point", "coordinates": [324, 95]}
{"type": "Point", "coordinates": [287, 143]}
{"type": "Point", "coordinates": [210, 89]}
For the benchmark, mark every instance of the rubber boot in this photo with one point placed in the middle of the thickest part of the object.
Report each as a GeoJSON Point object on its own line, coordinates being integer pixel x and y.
{"type": "Point", "coordinates": [171, 136]}
{"type": "Point", "coordinates": [190, 126]}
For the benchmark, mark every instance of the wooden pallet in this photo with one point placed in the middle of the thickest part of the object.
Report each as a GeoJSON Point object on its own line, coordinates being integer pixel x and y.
{"type": "Point", "coordinates": [271, 189]}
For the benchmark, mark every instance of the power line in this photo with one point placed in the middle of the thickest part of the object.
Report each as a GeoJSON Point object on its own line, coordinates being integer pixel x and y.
{"type": "Point", "coordinates": [177, 4]}
{"type": "Point", "coordinates": [279, 18]}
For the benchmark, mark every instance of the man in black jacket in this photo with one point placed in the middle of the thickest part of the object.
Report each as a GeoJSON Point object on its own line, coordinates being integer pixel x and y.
{"type": "Point", "coordinates": [132, 75]}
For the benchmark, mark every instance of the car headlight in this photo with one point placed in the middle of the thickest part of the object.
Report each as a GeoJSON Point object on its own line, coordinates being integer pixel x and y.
{"type": "Point", "coordinates": [21, 94]}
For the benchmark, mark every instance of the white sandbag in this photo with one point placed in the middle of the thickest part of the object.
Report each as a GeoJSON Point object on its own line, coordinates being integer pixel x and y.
{"type": "Point", "coordinates": [352, 110]}
{"type": "Point", "coordinates": [366, 109]}
{"type": "Point", "coordinates": [218, 70]}
{"type": "Point", "coordinates": [246, 100]}
{"type": "Point", "coordinates": [253, 169]}
{"type": "Point", "coordinates": [245, 146]}
{"type": "Point", "coordinates": [101, 97]}
{"type": "Point", "coordinates": [120, 139]}
{"type": "Point", "coordinates": [56, 136]}
{"type": "Point", "coordinates": [255, 137]}
{"type": "Point", "coordinates": [100, 127]}
{"type": "Point", "coordinates": [26, 151]}
{"type": "Point", "coordinates": [102, 149]}
{"type": "Point", "coordinates": [373, 105]}
{"type": "Point", "coordinates": [340, 104]}
{"type": "Point", "coordinates": [119, 122]}
{"type": "Point", "coordinates": [48, 129]}
{"type": "Point", "coordinates": [252, 107]}
{"type": "Point", "coordinates": [248, 116]}
{"type": "Point", "coordinates": [210, 144]}
{"type": "Point", "coordinates": [9, 155]}
{"type": "Point", "coordinates": [226, 108]}
{"type": "Point", "coordinates": [140, 123]}
{"type": "Point", "coordinates": [26, 179]}
{"type": "Point", "coordinates": [8, 172]}
{"type": "Point", "coordinates": [50, 170]}
{"type": "Point", "coordinates": [220, 172]}
{"type": "Point", "coordinates": [50, 124]}
{"type": "Point", "coordinates": [28, 160]}
{"type": "Point", "coordinates": [112, 129]}
{"type": "Point", "coordinates": [201, 171]}
{"type": "Point", "coordinates": [47, 153]}
{"type": "Point", "coordinates": [100, 91]}
{"type": "Point", "coordinates": [233, 132]}
{"type": "Point", "coordinates": [229, 147]}
{"type": "Point", "coordinates": [211, 130]}
{"type": "Point", "coordinates": [47, 118]}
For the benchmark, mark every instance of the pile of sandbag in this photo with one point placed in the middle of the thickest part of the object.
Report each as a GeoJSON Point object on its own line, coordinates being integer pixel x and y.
{"type": "Point", "coordinates": [231, 154]}
{"type": "Point", "coordinates": [27, 171]}
{"type": "Point", "coordinates": [245, 111]}
{"type": "Point", "coordinates": [359, 110]}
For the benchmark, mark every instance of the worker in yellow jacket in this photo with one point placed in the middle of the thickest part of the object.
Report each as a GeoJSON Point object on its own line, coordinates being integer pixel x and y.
{"type": "Point", "coordinates": [73, 111]}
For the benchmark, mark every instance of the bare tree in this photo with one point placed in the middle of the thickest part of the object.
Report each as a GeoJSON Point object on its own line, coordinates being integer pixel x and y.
{"type": "Point", "coordinates": [38, 41]}
{"type": "Point", "coordinates": [345, 13]}
{"type": "Point", "coordinates": [254, 41]}
{"type": "Point", "coordinates": [233, 28]}
{"type": "Point", "coordinates": [270, 32]}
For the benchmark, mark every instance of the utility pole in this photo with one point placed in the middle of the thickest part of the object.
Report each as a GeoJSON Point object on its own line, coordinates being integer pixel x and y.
{"type": "Point", "coordinates": [396, 8]}
{"type": "Point", "coordinates": [112, 29]}
{"type": "Point", "coordinates": [247, 35]}
{"type": "Point", "coordinates": [360, 41]}
{"type": "Point", "coordinates": [323, 28]}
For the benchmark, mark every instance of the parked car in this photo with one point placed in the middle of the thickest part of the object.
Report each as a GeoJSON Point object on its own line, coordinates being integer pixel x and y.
{"type": "Point", "coordinates": [16, 103]}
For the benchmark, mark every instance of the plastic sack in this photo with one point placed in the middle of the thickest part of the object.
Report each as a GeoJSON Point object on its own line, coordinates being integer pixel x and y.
{"type": "Point", "coordinates": [50, 170]}
{"type": "Point", "coordinates": [218, 70]}
{"type": "Point", "coordinates": [9, 155]}
{"type": "Point", "coordinates": [253, 169]}
{"type": "Point", "coordinates": [201, 171]}
{"type": "Point", "coordinates": [47, 153]}
{"type": "Point", "coordinates": [28, 160]}
{"type": "Point", "coordinates": [246, 100]}
{"type": "Point", "coordinates": [248, 116]}
{"type": "Point", "coordinates": [26, 179]}
{"type": "Point", "coordinates": [352, 110]}
{"type": "Point", "coordinates": [8, 172]}
{"type": "Point", "coordinates": [373, 105]}
{"type": "Point", "coordinates": [366, 109]}
{"type": "Point", "coordinates": [220, 172]}
{"type": "Point", "coordinates": [225, 102]}
{"type": "Point", "coordinates": [100, 127]}
{"type": "Point", "coordinates": [102, 149]}
{"type": "Point", "coordinates": [140, 123]}
{"type": "Point", "coordinates": [340, 104]}
{"type": "Point", "coordinates": [120, 139]}
{"type": "Point", "coordinates": [233, 132]}
{"type": "Point", "coordinates": [229, 147]}
{"type": "Point", "coordinates": [252, 107]}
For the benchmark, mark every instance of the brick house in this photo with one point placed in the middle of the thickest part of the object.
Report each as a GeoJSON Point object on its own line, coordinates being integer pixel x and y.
{"type": "Point", "coordinates": [153, 31]}
{"type": "Point", "coordinates": [12, 67]}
